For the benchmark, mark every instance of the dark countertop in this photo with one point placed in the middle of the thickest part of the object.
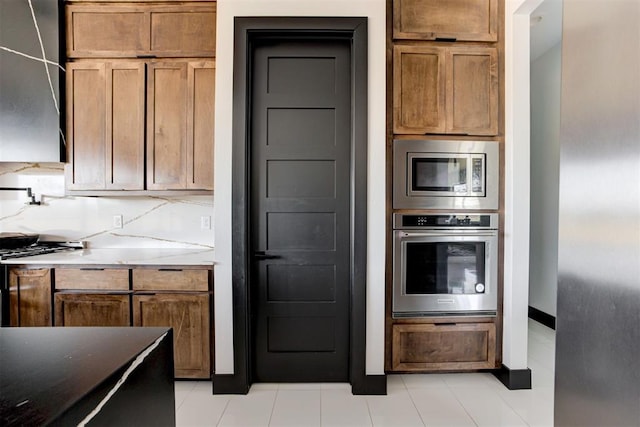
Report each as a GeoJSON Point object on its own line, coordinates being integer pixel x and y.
{"type": "Point", "coordinates": [59, 375]}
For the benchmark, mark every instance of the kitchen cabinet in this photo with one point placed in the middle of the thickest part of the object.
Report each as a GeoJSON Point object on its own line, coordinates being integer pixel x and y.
{"type": "Point", "coordinates": [177, 299]}
{"type": "Point", "coordinates": [172, 297]}
{"type": "Point", "coordinates": [140, 97]}
{"type": "Point", "coordinates": [107, 118]}
{"type": "Point", "coordinates": [443, 345]}
{"type": "Point", "coordinates": [29, 296]}
{"type": "Point", "coordinates": [445, 89]}
{"type": "Point", "coordinates": [92, 297]}
{"type": "Point", "coordinates": [141, 30]}
{"type": "Point", "coordinates": [459, 20]}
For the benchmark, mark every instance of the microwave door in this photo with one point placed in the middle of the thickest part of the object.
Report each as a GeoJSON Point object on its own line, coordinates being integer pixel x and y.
{"type": "Point", "coordinates": [439, 174]}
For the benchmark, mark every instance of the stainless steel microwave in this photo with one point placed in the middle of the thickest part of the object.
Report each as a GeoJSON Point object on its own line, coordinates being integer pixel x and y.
{"type": "Point", "coordinates": [438, 174]}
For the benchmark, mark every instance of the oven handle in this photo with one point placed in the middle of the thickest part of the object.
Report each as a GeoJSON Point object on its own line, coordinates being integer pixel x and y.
{"type": "Point", "coordinates": [478, 233]}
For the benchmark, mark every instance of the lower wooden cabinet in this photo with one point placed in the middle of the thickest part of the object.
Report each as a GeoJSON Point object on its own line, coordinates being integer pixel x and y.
{"type": "Point", "coordinates": [30, 296]}
{"type": "Point", "coordinates": [443, 346]}
{"type": "Point", "coordinates": [80, 309]}
{"type": "Point", "coordinates": [188, 315]}
{"type": "Point", "coordinates": [113, 296]}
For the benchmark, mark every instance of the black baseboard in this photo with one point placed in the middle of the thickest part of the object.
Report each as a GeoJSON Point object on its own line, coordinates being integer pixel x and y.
{"type": "Point", "coordinates": [541, 317]}
{"type": "Point", "coordinates": [514, 379]}
{"type": "Point", "coordinates": [229, 384]}
{"type": "Point", "coordinates": [370, 385]}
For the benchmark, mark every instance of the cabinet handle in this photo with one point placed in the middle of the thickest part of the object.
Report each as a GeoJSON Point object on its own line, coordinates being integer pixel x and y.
{"type": "Point", "coordinates": [91, 269]}
{"type": "Point", "coordinates": [169, 269]}
{"type": "Point", "coordinates": [445, 39]}
{"type": "Point", "coordinates": [145, 56]}
{"type": "Point", "coordinates": [445, 324]}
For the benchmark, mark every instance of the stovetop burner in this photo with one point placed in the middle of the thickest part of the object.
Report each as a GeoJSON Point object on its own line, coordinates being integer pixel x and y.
{"type": "Point", "coordinates": [39, 248]}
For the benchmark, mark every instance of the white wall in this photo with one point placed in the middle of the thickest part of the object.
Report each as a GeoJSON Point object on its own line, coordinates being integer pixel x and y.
{"type": "Point", "coordinates": [148, 222]}
{"type": "Point", "coordinates": [375, 11]}
{"type": "Point", "coordinates": [545, 159]}
{"type": "Point", "coordinates": [517, 167]}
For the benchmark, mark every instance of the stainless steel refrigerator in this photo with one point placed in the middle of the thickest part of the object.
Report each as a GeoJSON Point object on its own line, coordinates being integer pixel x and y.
{"type": "Point", "coordinates": [598, 317]}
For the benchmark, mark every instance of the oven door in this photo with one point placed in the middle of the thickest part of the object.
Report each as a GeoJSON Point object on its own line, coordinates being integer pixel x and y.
{"type": "Point", "coordinates": [445, 272]}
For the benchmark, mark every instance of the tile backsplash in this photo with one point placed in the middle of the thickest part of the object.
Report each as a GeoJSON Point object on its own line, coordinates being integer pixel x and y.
{"type": "Point", "coordinates": [147, 221]}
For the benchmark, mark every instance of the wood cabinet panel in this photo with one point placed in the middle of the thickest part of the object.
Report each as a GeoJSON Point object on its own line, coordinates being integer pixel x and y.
{"type": "Point", "coordinates": [470, 20]}
{"type": "Point", "coordinates": [107, 120]}
{"type": "Point", "coordinates": [419, 90]}
{"type": "Point", "coordinates": [445, 89]}
{"type": "Point", "coordinates": [200, 124]}
{"type": "Point", "coordinates": [139, 29]}
{"type": "Point", "coordinates": [188, 315]}
{"type": "Point", "coordinates": [183, 32]}
{"type": "Point", "coordinates": [180, 105]}
{"type": "Point", "coordinates": [472, 86]}
{"type": "Point", "coordinates": [94, 279]}
{"type": "Point", "coordinates": [105, 125]}
{"type": "Point", "coordinates": [30, 297]}
{"type": "Point", "coordinates": [428, 347]}
{"type": "Point", "coordinates": [170, 280]}
{"type": "Point", "coordinates": [80, 309]}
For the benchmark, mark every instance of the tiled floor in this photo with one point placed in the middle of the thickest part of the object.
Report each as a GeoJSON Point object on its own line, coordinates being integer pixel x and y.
{"type": "Point", "coordinates": [413, 400]}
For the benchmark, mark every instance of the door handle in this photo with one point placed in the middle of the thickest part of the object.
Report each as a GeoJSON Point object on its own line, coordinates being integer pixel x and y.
{"type": "Point", "coordinates": [260, 255]}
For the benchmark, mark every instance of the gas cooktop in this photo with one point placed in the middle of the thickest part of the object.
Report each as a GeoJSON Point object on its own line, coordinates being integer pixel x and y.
{"type": "Point", "coordinates": [39, 248]}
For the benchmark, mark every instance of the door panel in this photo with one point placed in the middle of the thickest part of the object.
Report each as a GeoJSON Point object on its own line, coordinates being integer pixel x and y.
{"type": "Point", "coordinates": [300, 203]}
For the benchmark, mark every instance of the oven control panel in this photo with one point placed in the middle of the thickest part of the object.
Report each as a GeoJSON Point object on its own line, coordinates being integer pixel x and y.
{"type": "Point", "coordinates": [452, 220]}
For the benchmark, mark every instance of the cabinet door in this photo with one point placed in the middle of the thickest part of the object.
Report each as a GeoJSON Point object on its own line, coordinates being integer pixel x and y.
{"type": "Point", "coordinates": [30, 297]}
{"type": "Point", "coordinates": [180, 102]}
{"type": "Point", "coordinates": [188, 315]}
{"type": "Point", "coordinates": [432, 347]}
{"type": "Point", "coordinates": [445, 90]}
{"type": "Point", "coordinates": [105, 125]}
{"type": "Point", "coordinates": [472, 90]}
{"type": "Point", "coordinates": [418, 90]}
{"type": "Point", "coordinates": [137, 29]}
{"type": "Point", "coordinates": [472, 20]}
{"type": "Point", "coordinates": [78, 309]}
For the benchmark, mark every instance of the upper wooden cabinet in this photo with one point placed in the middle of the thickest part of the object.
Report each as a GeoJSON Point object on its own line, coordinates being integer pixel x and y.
{"type": "Point", "coordinates": [141, 30]}
{"type": "Point", "coordinates": [461, 20]}
{"type": "Point", "coordinates": [109, 106]}
{"type": "Point", "coordinates": [445, 90]}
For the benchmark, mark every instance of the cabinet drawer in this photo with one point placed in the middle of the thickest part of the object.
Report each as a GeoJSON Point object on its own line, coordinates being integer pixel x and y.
{"type": "Point", "coordinates": [129, 30]}
{"type": "Point", "coordinates": [170, 280]}
{"type": "Point", "coordinates": [87, 278]}
{"type": "Point", "coordinates": [428, 347]}
{"type": "Point", "coordinates": [472, 20]}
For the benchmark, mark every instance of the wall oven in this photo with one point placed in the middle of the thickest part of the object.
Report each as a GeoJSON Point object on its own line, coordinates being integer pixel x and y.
{"type": "Point", "coordinates": [445, 264]}
{"type": "Point", "coordinates": [433, 174]}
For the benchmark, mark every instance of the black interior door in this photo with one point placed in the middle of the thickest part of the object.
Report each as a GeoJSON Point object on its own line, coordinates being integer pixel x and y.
{"type": "Point", "coordinates": [300, 187]}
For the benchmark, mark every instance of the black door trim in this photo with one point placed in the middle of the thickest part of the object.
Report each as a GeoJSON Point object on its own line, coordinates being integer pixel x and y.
{"type": "Point", "coordinates": [246, 30]}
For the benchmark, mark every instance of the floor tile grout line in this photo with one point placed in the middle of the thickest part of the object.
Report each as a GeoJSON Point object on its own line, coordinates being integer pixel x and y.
{"type": "Point", "coordinates": [464, 408]}
{"type": "Point", "coordinates": [223, 411]}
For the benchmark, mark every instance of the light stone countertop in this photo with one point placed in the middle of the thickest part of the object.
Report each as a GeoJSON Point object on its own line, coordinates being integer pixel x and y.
{"type": "Point", "coordinates": [122, 256]}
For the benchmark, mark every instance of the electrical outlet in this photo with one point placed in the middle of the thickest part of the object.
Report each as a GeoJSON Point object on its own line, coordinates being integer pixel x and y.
{"type": "Point", "coordinates": [117, 221]}
{"type": "Point", "coordinates": [205, 222]}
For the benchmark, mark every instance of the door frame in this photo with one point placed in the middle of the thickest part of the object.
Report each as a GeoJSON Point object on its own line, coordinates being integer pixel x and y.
{"type": "Point", "coordinates": [246, 31]}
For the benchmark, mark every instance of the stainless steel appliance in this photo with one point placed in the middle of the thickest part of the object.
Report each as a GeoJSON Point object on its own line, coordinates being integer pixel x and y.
{"type": "Point", "coordinates": [597, 368]}
{"type": "Point", "coordinates": [434, 174]}
{"type": "Point", "coordinates": [445, 264]}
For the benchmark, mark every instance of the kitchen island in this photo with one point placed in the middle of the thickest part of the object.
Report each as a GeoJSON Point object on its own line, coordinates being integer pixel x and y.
{"type": "Point", "coordinates": [97, 376]}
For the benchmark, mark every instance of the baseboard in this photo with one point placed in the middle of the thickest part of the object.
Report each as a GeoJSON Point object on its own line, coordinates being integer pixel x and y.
{"type": "Point", "coordinates": [541, 317]}
{"type": "Point", "coordinates": [229, 384]}
{"type": "Point", "coordinates": [514, 379]}
{"type": "Point", "coordinates": [370, 385]}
